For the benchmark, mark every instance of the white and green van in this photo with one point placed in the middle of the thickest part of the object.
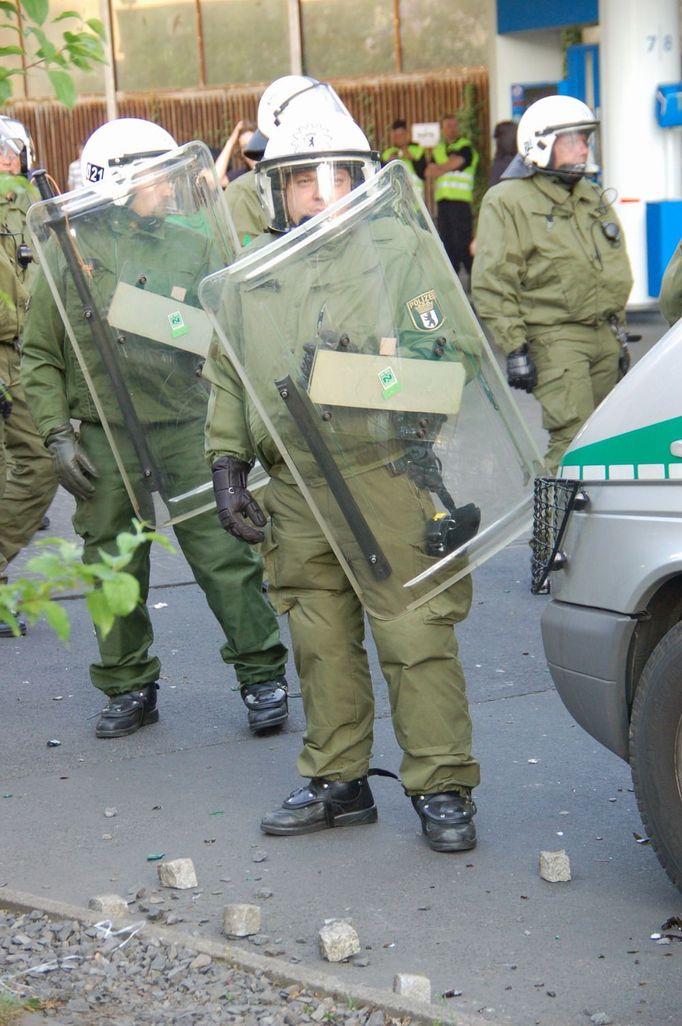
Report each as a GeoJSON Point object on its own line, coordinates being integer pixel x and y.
{"type": "Point", "coordinates": [608, 537]}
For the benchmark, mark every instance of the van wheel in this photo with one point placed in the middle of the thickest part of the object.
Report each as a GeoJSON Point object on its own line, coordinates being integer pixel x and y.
{"type": "Point", "coordinates": [656, 751]}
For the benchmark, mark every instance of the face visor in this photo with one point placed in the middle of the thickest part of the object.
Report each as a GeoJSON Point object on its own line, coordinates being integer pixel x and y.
{"type": "Point", "coordinates": [573, 154]}
{"type": "Point", "coordinates": [292, 190]}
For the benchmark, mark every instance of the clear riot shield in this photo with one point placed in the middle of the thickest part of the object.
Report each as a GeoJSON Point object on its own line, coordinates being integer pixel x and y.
{"type": "Point", "coordinates": [358, 349]}
{"type": "Point", "coordinates": [124, 264]}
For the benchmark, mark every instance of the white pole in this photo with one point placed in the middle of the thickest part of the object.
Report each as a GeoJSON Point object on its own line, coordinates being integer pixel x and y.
{"type": "Point", "coordinates": [109, 80]}
{"type": "Point", "coordinates": [295, 48]}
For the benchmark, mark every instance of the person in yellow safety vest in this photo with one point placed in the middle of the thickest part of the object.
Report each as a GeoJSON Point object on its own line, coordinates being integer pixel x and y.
{"type": "Point", "coordinates": [453, 167]}
{"type": "Point", "coordinates": [410, 153]}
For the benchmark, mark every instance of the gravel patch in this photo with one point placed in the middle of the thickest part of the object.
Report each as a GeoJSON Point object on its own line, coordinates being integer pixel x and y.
{"type": "Point", "coordinates": [82, 975]}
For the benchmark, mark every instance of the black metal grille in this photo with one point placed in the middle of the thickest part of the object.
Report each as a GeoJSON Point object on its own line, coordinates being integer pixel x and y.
{"type": "Point", "coordinates": [552, 503]}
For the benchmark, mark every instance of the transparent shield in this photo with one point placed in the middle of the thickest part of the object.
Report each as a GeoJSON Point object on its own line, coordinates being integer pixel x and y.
{"type": "Point", "coordinates": [124, 263]}
{"type": "Point", "coordinates": [360, 353]}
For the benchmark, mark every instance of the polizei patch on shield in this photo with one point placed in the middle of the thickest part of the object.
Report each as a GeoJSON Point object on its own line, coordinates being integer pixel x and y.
{"type": "Point", "coordinates": [177, 325]}
{"type": "Point", "coordinates": [424, 311]}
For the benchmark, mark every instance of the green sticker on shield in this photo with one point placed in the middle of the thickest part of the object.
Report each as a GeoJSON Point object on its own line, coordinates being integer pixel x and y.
{"type": "Point", "coordinates": [389, 382]}
{"type": "Point", "coordinates": [177, 325]}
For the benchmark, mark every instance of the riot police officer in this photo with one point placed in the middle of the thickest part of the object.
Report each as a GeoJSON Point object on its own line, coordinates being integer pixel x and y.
{"type": "Point", "coordinates": [313, 158]}
{"type": "Point", "coordinates": [151, 395]}
{"type": "Point", "coordinates": [551, 275]}
{"type": "Point", "coordinates": [27, 480]}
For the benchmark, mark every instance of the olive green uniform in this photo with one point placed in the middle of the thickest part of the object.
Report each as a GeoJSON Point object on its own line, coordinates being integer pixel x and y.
{"type": "Point", "coordinates": [27, 481]}
{"type": "Point", "coordinates": [245, 208]}
{"type": "Point", "coordinates": [343, 283]}
{"type": "Point", "coordinates": [170, 402]}
{"type": "Point", "coordinates": [546, 274]}
{"type": "Point", "coordinates": [670, 299]}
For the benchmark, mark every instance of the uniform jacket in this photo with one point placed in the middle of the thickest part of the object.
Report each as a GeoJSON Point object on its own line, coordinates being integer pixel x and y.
{"type": "Point", "coordinates": [364, 285]}
{"type": "Point", "coordinates": [162, 381]}
{"type": "Point", "coordinates": [543, 262]}
{"type": "Point", "coordinates": [14, 279]}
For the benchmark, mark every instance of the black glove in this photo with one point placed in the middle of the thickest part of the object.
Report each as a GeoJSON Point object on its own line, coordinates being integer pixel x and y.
{"type": "Point", "coordinates": [328, 340]}
{"type": "Point", "coordinates": [5, 401]}
{"type": "Point", "coordinates": [71, 465]}
{"type": "Point", "coordinates": [234, 501]}
{"type": "Point", "coordinates": [521, 372]}
{"type": "Point", "coordinates": [623, 360]}
{"type": "Point", "coordinates": [309, 350]}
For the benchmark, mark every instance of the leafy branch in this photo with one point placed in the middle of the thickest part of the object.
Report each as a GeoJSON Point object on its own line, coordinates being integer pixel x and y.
{"type": "Point", "coordinates": [82, 46]}
{"type": "Point", "coordinates": [109, 590]}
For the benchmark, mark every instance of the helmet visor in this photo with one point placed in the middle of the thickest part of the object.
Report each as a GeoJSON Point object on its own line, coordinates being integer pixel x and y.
{"type": "Point", "coordinates": [573, 152]}
{"type": "Point", "coordinates": [294, 190]}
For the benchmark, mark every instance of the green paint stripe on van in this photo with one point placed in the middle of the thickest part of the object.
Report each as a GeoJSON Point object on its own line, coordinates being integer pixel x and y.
{"type": "Point", "coordinates": [650, 444]}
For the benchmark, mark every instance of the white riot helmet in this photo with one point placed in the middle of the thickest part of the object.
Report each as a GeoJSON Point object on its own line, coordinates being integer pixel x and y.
{"type": "Point", "coordinates": [543, 122]}
{"type": "Point", "coordinates": [296, 96]}
{"type": "Point", "coordinates": [15, 138]}
{"type": "Point", "coordinates": [114, 150]}
{"type": "Point", "coordinates": [332, 154]}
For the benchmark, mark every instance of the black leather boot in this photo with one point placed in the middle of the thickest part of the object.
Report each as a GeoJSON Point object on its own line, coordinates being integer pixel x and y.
{"type": "Point", "coordinates": [447, 820]}
{"type": "Point", "coordinates": [266, 702]}
{"type": "Point", "coordinates": [128, 712]}
{"type": "Point", "coordinates": [323, 804]}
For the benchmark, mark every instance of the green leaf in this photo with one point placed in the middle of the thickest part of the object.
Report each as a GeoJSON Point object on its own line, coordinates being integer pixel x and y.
{"type": "Point", "coordinates": [66, 14]}
{"type": "Point", "coordinates": [37, 10]}
{"type": "Point", "coordinates": [98, 607]}
{"type": "Point", "coordinates": [58, 620]}
{"type": "Point", "coordinates": [63, 86]}
{"type": "Point", "coordinates": [7, 51]}
{"type": "Point", "coordinates": [8, 8]}
{"type": "Point", "coordinates": [97, 27]}
{"type": "Point", "coordinates": [47, 50]}
{"type": "Point", "coordinates": [122, 593]}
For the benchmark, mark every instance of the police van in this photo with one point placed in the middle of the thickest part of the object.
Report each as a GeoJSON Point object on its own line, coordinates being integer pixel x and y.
{"type": "Point", "coordinates": [607, 543]}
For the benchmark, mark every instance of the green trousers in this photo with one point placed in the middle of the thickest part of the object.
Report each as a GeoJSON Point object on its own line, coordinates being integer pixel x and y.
{"type": "Point", "coordinates": [575, 372]}
{"type": "Point", "coordinates": [27, 480]}
{"type": "Point", "coordinates": [417, 652]}
{"type": "Point", "coordinates": [227, 570]}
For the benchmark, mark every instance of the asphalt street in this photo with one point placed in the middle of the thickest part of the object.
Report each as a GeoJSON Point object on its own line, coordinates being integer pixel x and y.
{"type": "Point", "coordinates": [483, 925]}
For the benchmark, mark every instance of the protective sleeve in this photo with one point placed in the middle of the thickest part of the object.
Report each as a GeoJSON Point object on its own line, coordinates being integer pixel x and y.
{"type": "Point", "coordinates": [670, 300]}
{"type": "Point", "coordinates": [497, 274]}
{"type": "Point", "coordinates": [43, 368]}
{"type": "Point", "coordinates": [226, 432]}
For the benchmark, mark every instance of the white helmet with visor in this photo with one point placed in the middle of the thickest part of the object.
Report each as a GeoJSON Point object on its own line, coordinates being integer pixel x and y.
{"type": "Point", "coordinates": [310, 163]}
{"type": "Point", "coordinates": [119, 147]}
{"type": "Point", "coordinates": [16, 141]}
{"type": "Point", "coordinates": [543, 123]}
{"type": "Point", "coordinates": [294, 97]}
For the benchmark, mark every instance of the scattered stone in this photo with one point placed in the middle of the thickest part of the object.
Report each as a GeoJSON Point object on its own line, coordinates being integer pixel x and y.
{"type": "Point", "coordinates": [412, 985]}
{"type": "Point", "coordinates": [110, 813]}
{"type": "Point", "coordinates": [178, 873]}
{"type": "Point", "coordinates": [338, 940]}
{"type": "Point", "coordinates": [262, 894]}
{"type": "Point", "coordinates": [555, 866]}
{"type": "Point", "coordinates": [111, 905]}
{"type": "Point", "coordinates": [202, 961]}
{"type": "Point", "coordinates": [259, 856]}
{"type": "Point", "coordinates": [600, 1019]}
{"type": "Point", "coordinates": [240, 920]}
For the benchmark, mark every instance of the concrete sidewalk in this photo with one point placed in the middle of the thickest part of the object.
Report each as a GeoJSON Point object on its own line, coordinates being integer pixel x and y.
{"type": "Point", "coordinates": [482, 923]}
